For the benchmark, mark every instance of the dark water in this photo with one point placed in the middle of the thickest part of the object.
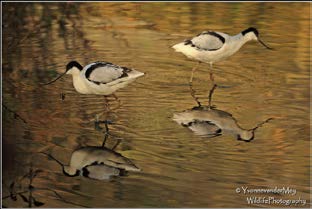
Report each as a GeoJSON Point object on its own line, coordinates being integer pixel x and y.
{"type": "Point", "coordinates": [180, 169]}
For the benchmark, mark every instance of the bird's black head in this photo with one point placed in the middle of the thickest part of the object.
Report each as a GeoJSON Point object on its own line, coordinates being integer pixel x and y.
{"type": "Point", "coordinates": [251, 29]}
{"type": "Point", "coordinates": [73, 64]}
{"type": "Point", "coordinates": [256, 37]}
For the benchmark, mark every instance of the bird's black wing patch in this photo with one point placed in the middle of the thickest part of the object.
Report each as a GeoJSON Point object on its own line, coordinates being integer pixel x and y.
{"type": "Point", "coordinates": [212, 33]}
{"type": "Point", "coordinates": [125, 72]}
{"type": "Point", "coordinates": [85, 172]}
{"type": "Point", "coordinates": [105, 72]}
{"type": "Point", "coordinates": [198, 122]}
{"type": "Point", "coordinates": [206, 41]}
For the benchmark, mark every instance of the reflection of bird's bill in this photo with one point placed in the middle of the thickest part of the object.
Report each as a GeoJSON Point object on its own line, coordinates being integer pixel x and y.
{"type": "Point", "coordinates": [266, 46]}
{"type": "Point", "coordinates": [260, 124]}
{"type": "Point", "coordinates": [51, 157]}
{"type": "Point", "coordinates": [54, 79]}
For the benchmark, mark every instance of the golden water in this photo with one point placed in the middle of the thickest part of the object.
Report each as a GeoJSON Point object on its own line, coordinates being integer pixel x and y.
{"type": "Point", "coordinates": [180, 169]}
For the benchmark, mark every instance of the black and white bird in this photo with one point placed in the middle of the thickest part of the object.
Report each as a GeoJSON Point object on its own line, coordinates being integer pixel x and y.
{"type": "Point", "coordinates": [101, 78]}
{"type": "Point", "coordinates": [211, 46]}
{"type": "Point", "coordinates": [209, 122]}
{"type": "Point", "coordinates": [96, 163]}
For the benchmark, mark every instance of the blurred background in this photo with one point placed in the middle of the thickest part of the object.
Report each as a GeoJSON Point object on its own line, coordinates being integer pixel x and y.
{"type": "Point", "coordinates": [180, 169]}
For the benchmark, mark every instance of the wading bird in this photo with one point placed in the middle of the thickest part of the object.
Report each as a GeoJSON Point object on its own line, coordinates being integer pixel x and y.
{"type": "Point", "coordinates": [211, 46]}
{"type": "Point", "coordinates": [100, 78]}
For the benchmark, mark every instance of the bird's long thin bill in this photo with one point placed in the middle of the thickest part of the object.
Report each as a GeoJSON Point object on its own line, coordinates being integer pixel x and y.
{"type": "Point", "coordinates": [54, 79]}
{"type": "Point", "coordinates": [266, 46]}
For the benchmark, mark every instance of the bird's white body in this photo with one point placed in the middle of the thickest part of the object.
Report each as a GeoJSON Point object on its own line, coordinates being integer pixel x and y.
{"type": "Point", "coordinates": [210, 49]}
{"type": "Point", "coordinates": [104, 79]}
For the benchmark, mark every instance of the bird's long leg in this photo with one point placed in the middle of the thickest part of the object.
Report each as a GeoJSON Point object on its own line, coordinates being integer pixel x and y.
{"type": "Point", "coordinates": [117, 99]}
{"type": "Point", "coordinates": [106, 103]}
{"type": "Point", "coordinates": [193, 70]}
{"type": "Point", "coordinates": [193, 95]}
{"type": "Point", "coordinates": [118, 105]}
{"type": "Point", "coordinates": [105, 134]}
{"type": "Point", "coordinates": [210, 96]}
{"type": "Point", "coordinates": [104, 141]}
{"type": "Point", "coordinates": [97, 116]}
{"type": "Point", "coordinates": [118, 142]}
{"type": "Point", "coordinates": [211, 73]}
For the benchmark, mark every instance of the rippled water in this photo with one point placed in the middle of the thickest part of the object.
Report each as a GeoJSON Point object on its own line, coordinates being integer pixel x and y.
{"type": "Point", "coordinates": [179, 168]}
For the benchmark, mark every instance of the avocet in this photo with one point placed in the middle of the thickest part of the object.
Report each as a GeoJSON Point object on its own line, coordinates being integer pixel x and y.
{"type": "Point", "coordinates": [212, 46]}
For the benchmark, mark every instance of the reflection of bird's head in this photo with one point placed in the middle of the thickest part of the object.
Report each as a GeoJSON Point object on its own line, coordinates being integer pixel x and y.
{"type": "Point", "coordinates": [70, 171]}
{"type": "Point", "coordinates": [67, 170]}
{"type": "Point", "coordinates": [246, 135]}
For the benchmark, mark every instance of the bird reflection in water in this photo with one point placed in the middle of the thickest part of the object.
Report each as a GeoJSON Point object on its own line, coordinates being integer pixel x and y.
{"type": "Point", "coordinates": [211, 122]}
{"type": "Point", "coordinates": [97, 162]}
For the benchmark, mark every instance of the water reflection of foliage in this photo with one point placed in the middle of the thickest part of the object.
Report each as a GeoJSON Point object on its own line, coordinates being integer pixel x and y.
{"type": "Point", "coordinates": [24, 184]}
{"type": "Point", "coordinates": [32, 28]}
{"type": "Point", "coordinates": [18, 184]}
{"type": "Point", "coordinates": [31, 23]}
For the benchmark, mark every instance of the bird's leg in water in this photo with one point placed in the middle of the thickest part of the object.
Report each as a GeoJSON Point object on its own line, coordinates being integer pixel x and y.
{"type": "Point", "coordinates": [106, 103]}
{"type": "Point", "coordinates": [105, 134]}
{"type": "Point", "coordinates": [210, 95]}
{"type": "Point", "coordinates": [193, 95]}
{"type": "Point", "coordinates": [210, 73]}
{"type": "Point", "coordinates": [108, 109]}
{"type": "Point", "coordinates": [117, 99]}
{"type": "Point", "coordinates": [193, 70]}
{"type": "Point", "coordinates": [105, 138]}
{"type": "Point", "coordinates": [97, 116]}
{"type": "Point", "coordinates": [118, 142]}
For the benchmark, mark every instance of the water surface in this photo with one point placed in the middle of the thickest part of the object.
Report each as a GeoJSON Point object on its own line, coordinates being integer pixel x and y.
{"type": "Point", "coordinates": [180, 169]}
